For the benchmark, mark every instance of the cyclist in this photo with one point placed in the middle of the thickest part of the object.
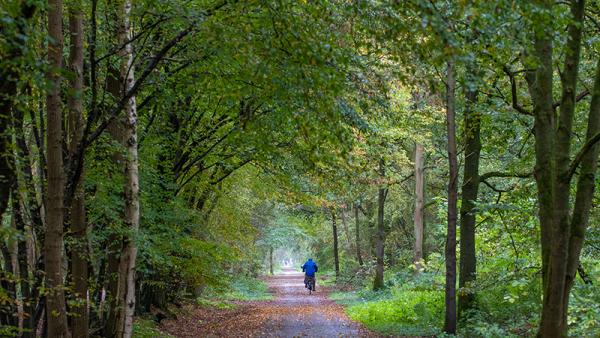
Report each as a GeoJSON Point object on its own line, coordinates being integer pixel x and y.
{"type": "Point", "coordinates": [309, 268]}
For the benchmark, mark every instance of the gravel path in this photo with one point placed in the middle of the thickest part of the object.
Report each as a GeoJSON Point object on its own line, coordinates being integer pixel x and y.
{"type": "Point", "coordinates": [292, 313]}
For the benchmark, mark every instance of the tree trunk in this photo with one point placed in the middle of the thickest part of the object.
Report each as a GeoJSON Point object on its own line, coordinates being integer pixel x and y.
{"type": "Point", "coordinates": [380, 237]}
{"type": "Point", "coordinates": [450, 294]}
{"type": "Point", "coordinates": [132, 201]}
{"type": "Point", "coordinates": [115, 287]}
{"type": "Point", "coordinates": [24, 280]}
{"type": "Point", "coordinates": [53, 243]}
{"type": "Point", "coordinates": [271, 260]}
{"type": "Point", "coordinates": [5, 154]}
{"type": "Point", "coordinates": [470, 189]}
{"type": "Point", "coordinates": [585, 193]}
{"type": "Point", "coordinates": [336, 257]}
{"type": "Point", "coordinates": [24, 204]}
{"type": "Point", "coordinates": [554, 180]}
{"type": "Point", "coordinates": [79, 263]}
{"type": "Point", "coordinates": [544, 143]}
{"type": "Point", "coordinates": [419, 207]}
{"type": "Point", "coordinates": [357, 234]}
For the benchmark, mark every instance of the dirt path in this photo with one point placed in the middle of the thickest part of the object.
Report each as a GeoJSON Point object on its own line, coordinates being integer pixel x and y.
{"type": "Point", "coordinates": [292, 313]}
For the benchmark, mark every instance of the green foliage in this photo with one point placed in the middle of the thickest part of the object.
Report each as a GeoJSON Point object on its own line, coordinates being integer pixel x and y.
{"type": "Point", "coordinates": [404, 312]}
{"type": "Point", "coordinates": [584, 306]}
{"type": "Point", "coordinates": [410, 306]}
{"type": "Point", "coordinates": [9, 331]}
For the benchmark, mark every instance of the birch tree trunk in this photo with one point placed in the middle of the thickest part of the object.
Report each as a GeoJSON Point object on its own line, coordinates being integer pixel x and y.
{"type": "Point", "coordinates": [132, 202]}
{"type": "Point", "coordinates": [450, 293]}
{"type": "Point", "coordinates": [419, 207]}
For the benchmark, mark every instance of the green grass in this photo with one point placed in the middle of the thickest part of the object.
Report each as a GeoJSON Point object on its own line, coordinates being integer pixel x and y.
{"type": "Point", "coordinates": [146, 328]}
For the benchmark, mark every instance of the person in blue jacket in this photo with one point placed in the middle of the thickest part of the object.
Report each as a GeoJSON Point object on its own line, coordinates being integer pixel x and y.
{"type": "Point", "coordinates": [309, 268]}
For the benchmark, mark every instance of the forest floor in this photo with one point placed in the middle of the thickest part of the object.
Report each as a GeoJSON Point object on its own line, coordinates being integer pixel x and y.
{"type": "Point", "coordinates": [292, 313]}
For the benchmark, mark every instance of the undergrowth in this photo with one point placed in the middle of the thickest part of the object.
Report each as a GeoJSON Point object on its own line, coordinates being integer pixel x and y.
{"type": "Point", "coordinates": [408, 306]}
{"type": "Point", "coordinates": [146, 328]}
{"type": "Point", "coordinates": [413, 305]}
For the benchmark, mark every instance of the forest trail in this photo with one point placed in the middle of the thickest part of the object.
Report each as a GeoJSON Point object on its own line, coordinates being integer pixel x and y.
{"type": "Point", "coordinates": [292, 313]}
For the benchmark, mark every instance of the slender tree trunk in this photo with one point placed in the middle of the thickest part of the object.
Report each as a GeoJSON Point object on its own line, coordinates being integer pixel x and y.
{"type": "Point", "coordinates": [336, 257]}
{"type": "Point", "coordinates": [79, 263]}
{"type": "Point", "coordinates": [419, 207]}
{"type": "Point", "coordinates": [357, 234]}
{"type": "Point", "coordinates": [24, 204]}
{"type": "Point", "coordinates": [132, 201]}
{"type": "Point", "coordinates": [5, 154]}
{"type": "Point", "coordinates": [24, 280]}
{"type": "Point", "coordinates": [380, 238]}
{"type": "Point", "coordinates": [271, 260]}
{"type": "Point", "coordinates": [470, 189]}
{"type": "Point", "coordinates": [585, 193]}
{"type": "Point", "coordinates": [450, 295]}
{"type": "Point", "coordinates": [115, 287]}
{"type": "Point", "coordinates": [53, 243]}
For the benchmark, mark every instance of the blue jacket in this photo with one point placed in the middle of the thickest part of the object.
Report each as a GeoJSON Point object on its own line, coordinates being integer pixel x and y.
{"type": "Point", "coordinates": [310, 268]}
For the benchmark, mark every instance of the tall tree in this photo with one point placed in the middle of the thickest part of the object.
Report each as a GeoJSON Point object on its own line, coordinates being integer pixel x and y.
{"type": "Point", "coordinates": [378, 282]}
{"type": "Point", "coordinates": [470, 188]}
{"type": "Point", "coordinates": [132, 200]}
{"type": "Point", "coordinates": [554, 169]}
{"type": "Point", "coordinates": [53, 240]}
{"type": "Point", "coordinates": [419, 206]}
{"type": "Point", "coordinates": [336, 254]}
{"type": "Point", "coordinates": [450, 292]}
{"type": "Point", "coordinates": [79, 261]}
{"type": "Point", "coordinates": [357, 234]}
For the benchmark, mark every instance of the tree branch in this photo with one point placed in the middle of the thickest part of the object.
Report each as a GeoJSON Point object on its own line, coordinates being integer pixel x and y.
{"type": "Point", "coordinates": [494, 174]}
{"type": "Point", "coordinates": [578, 98]}
{"type": "Point", "coordinates": [513, 92]}
{"type": "Point", "coordinates": [589, 144]}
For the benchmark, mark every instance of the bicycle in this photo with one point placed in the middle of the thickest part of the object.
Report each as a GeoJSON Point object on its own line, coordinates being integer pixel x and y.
{"type": "Point", "coordinates": [310, 284]}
